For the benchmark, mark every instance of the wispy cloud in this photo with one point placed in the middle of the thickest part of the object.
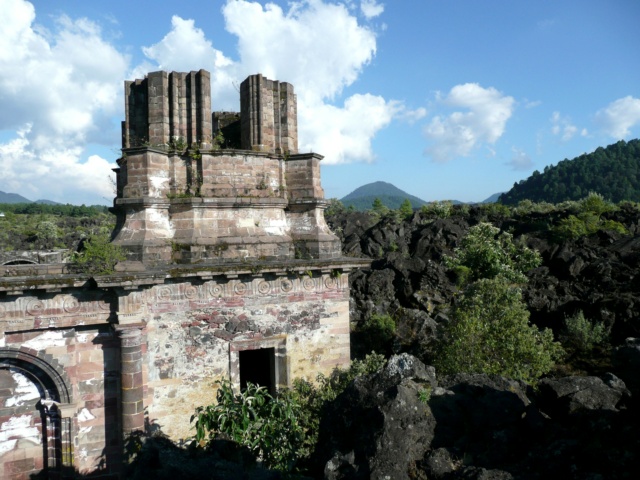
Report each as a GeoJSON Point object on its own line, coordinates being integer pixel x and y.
{"type": "Point", "coordinates": [561, 126]}
{"type": "Point", "coordinates": [520, 160]}
{"type": "Point", "coordinates": [371, 8]}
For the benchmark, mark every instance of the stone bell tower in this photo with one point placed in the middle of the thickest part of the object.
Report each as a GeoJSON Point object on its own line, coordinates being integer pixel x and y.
{"type": "Point", "coordinates": [184, 198]}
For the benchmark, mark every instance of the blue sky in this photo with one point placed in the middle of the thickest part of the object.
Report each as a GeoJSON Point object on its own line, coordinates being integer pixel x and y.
{"type": "Point", "coordinates": [444, 99]}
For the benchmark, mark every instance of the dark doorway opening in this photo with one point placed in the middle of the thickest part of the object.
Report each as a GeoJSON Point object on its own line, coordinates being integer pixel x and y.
{"type": "Point", "coordinates": [258, 367]}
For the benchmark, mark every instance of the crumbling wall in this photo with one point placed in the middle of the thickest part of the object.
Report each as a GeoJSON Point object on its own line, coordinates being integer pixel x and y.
{"type": "Point", "coordinates": [69, 333]}
{"type": "Point", "coordinates": [269, 116]}
{"type": "Point", "coordinates": [194, 328]}
{"type": "Point", "coordinates": [168, 107]}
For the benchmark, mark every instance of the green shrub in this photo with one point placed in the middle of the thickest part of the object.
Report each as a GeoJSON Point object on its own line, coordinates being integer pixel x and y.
{"type": "Point", "coordinates": [281, 431]}
{"type": "Point", "coordinates": [596, 204]}
{"type": "Point", "coordinates": [582, 334]}
{"type": "Point", "coordinates": [614, 226]}
{"type": "Point", "coordinates": [488, 253]}
{"type": "Point", "coordinates": [267, 426]}
{"type": "Point", "coordinates": [462, 274]}
{"type": "Point", "coordinates": [438, 209]}
{"type": "Point", "coordinates": [335, 207]}
{"type": "Point", "coordinates": [586, 223]}
{"type": "Point", "coordinates": [378, 207]}
{"type": "Point", "coordinates": [314, 398]}
{"type": "Point", "coordinates": [527, 206]}
{"type": "Point", "coordinates": [490, 333]}
{"type": "Point", "coordinates": [495, 210]}
{"type": "Point", "coordinates": [570, 227]}
{"type": "Point", "coordinates": [378, 332]}
{"type": "Point", "coordinates": [99, 256]}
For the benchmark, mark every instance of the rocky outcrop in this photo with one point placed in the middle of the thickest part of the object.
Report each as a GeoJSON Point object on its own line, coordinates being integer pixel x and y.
{"type": "Point", "coordinates": [477, 427]}
{"type": "Point", "coordinates": [381, 425]}
{"type": "Point", "coordinates": [481, 427]}
{"type": "Point", "coordinates": [597, 274]}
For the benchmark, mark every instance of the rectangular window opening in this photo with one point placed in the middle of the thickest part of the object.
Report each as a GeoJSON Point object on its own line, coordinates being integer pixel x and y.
{"type": "Point", "coordinates": [258, 367]}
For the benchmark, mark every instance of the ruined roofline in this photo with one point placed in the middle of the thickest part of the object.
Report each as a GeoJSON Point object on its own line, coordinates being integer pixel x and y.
{"type": "Point", "coordinates": [166, 107]}
{"type": "Point", "coordinates": [132, 275]}
{"type": "Point", "coordinates": [223, 151]}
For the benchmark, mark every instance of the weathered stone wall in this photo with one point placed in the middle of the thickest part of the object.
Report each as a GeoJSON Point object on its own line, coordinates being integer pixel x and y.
{"type": "Point", "coordinates": [221, 205]}
{"type": "Point", "coordinates": [84, 362]}
{"type": "Point", "coordinates": [19, 257]}
{"type": "Point", "coordinates": [269, 116]}
{"type": "Point", "coordinates": [68, 332]}
{"type": "Point", "coordinates": [193, 330]}
{"type": "Point", "coordinates": [166, 107]}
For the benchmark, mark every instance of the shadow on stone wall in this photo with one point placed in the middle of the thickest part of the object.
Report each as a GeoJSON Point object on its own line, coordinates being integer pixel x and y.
{"type": "Point", "coordinates": [153, 455]}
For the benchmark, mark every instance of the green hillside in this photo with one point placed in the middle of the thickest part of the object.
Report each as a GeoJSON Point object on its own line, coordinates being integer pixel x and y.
{"type": "Point", "coordinates": [613, 172]}
{"type": "Point", "coordinates": [12, 198]}
{"type": "Point", "coordinates": [392, 197]}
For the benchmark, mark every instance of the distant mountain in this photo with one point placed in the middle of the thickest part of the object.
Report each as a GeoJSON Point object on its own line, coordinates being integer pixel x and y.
{"type": "Point", "coordinates": [12, 198]}
{"type": "Point", "coordinates": [392, 197]}
{"type": "Point", "coordinates": [613, 172]}
{"type": "Point", "coordinates": [15, 198]}
{"type": "Point", "coordinates": [493, 198]}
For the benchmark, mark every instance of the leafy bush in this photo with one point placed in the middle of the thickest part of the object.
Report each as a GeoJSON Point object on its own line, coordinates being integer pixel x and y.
{"type": "Point", "coordinates": [266, 425]}
{"type": "Point", "coordinates": [495, 210]}
{"type": "Point", "coordinates": [437, 209]}
{"type": "Point", "coordinates": [378, 207]}
{"type": "Point", "coordinates": [314, 398]}
{"type": "Point", "coordinates": [281, 431]}
{"type": "Point", "coordinates": [595, 203]}
{"type": "Point", "coordinates": [582, 334]}
{"type": "Point", "coordinates": [99, 256]}
{"type": "Point", "coordinates": [490, 333]}
{"type": "Point", "coordinates": [586, 223]}
{"type": "Point", "coordinates": [335, 207]}
{"type": "Point", "coordinates": [612, 225]}
{"type": "Point", "coordinates": [527, 206]}
{"type": "Point", "coordinates": [378, 332]}
{"type": "Point", "coordinates": [488, 253]}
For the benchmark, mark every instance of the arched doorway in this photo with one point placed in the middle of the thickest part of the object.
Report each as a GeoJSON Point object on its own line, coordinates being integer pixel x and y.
{"type": "Point", "coordinates": [35, 422]}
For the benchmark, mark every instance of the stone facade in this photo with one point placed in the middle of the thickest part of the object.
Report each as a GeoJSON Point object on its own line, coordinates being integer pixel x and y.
{"type": "Point", "coordinates": [241, 280]}
{"type": "Point", "coordinates": [182, 199]}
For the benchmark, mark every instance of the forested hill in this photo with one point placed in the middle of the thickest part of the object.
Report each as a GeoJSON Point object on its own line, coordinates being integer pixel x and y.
{"type": "Point", "coordinates": [390, 196]}
{"type": "Point", "coordinates": [613, 172]}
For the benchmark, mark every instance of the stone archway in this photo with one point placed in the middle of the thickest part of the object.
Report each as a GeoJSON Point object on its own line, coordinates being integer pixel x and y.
{"type": "Point", "coordinates": [36, 413]}
{"type": "Point", "coordinates": [19, 261]}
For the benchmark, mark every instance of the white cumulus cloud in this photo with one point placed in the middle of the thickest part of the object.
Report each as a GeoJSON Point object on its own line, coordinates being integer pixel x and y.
{"type": "Point", "coordinates": [318, 47]}
{"type": "Point", "coordinates": [59, 90]}
{"type": "Point", "coordinates": [617, 118]}
{"type": "Point", "coordinates": [186, 48]}
{"type": "Point", "coordinates": [480, 118]}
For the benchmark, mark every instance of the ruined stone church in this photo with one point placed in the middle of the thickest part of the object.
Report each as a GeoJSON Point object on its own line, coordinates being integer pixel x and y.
{"type": "Point", "coordinates": [231, 273]}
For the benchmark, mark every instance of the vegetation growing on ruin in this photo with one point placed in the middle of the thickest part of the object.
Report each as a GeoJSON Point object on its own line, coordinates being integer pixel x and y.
{"type": "Point", "coordinates": [282, 430]}
{"type": "Point", "coordinates": [98, 256]}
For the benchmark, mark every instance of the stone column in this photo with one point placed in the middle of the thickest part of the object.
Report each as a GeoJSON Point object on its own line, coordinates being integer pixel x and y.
{"type": "Point", "coordinates": [131, 378]}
